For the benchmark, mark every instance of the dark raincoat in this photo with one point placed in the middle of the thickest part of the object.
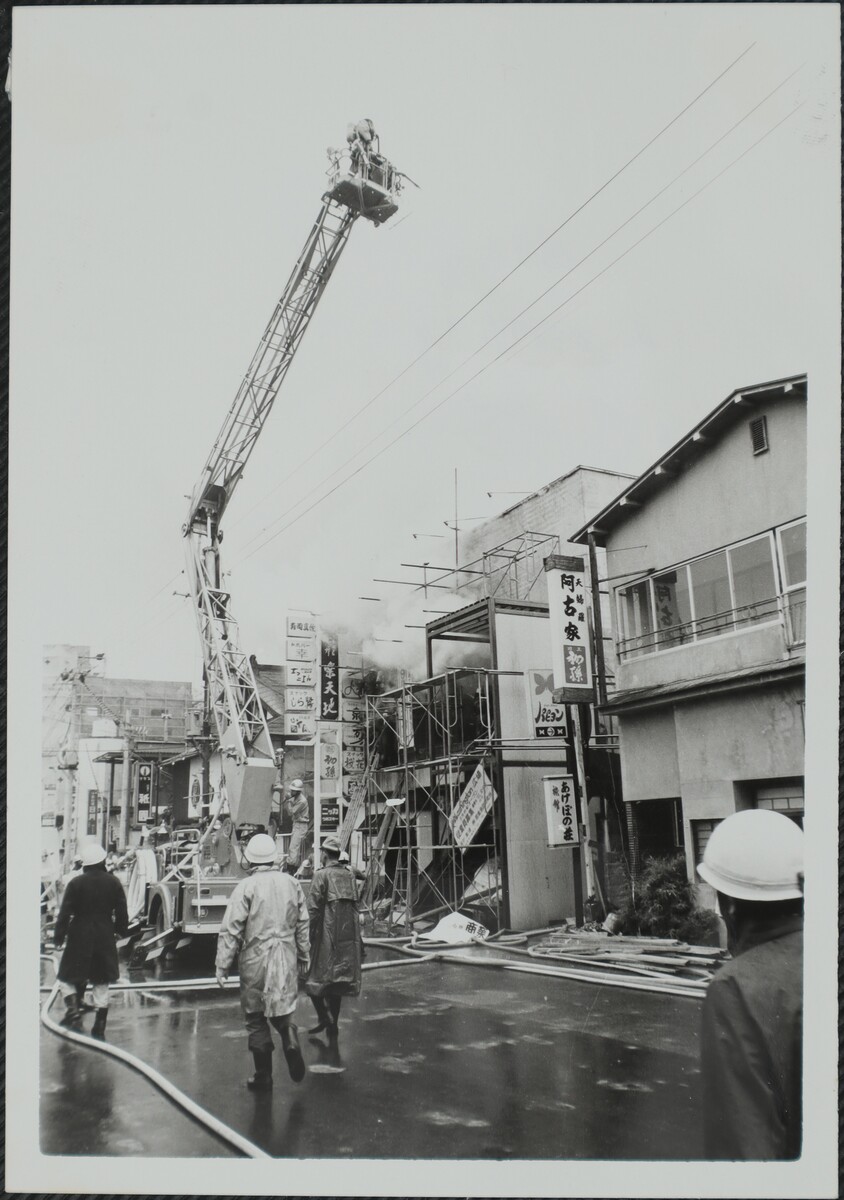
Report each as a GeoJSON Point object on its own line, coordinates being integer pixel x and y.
{"type": "Point", "coordinates": [336, 946]}
{"type": "Point", "coordinates": [751, 1047]}
{"type": "Point", "coordinates": [93, 910]}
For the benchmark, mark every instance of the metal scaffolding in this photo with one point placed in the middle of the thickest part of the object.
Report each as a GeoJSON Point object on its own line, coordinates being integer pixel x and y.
{"type": "Point", "coordinates": [428, 740]}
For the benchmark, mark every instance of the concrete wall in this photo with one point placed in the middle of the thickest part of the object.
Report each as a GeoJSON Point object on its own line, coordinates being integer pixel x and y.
{"type": "Point", "coordinates": [540, 878]}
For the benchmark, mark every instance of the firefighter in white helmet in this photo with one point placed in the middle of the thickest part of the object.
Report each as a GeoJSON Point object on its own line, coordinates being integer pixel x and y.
{"type": "Point", "coordinates": [265, 928]}
{"type": "Point", "coordinates": [751, 1036]}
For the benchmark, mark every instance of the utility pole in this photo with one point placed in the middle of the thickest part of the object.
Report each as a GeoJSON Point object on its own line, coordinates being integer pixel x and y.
{"type": "Point", "coordinates": [456, 534]}
{"type": "Point", "coordinates": [126, 786]}
{"type": "Point", "coordinates": [600, 664]}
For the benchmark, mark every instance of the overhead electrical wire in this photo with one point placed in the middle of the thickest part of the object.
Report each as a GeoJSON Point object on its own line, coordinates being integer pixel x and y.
{"type": "Point", "coordinates": [527, 308]}
{"type": "Point", "coordinates": [160, 618]}
{"type": "Point", "coordinates": [359, 412]}
{"type": "Point", "coordinates": [521, 338]}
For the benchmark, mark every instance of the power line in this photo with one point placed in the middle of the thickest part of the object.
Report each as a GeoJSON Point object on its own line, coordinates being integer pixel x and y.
{"type": "Point", "coordinates": [460, 366]}
{"type": "Point", "coordinates": [542, 321]}
{"type": "Point", "coordinates": [304, 462]}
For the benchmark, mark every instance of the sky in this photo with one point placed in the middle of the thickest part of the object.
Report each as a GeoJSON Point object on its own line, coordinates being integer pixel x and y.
{"type": "Point", "coordinates": [168, 163]}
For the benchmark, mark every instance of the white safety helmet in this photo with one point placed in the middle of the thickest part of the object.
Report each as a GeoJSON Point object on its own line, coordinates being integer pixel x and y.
{"type": "Point", "coordinates": [297, 785]}
{"type": "Point", "coordinates": [92, 854]}
{"type": "Point", "coordinates": [755, 855]}
{"type": "Point", "coordinates": [260, 849]}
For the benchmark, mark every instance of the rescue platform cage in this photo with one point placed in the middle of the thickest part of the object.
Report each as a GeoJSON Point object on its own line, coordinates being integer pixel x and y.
{"type": "Point", "coordinates": [425, 742]}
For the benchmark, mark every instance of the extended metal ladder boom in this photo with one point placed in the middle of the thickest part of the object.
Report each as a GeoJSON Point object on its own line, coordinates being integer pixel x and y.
{"type": "Point", "coordinates": [368, 188]}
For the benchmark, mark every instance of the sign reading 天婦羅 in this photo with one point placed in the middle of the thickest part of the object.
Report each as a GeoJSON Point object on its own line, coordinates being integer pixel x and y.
{"type": "Point", "coordinates": [561, 811]}
{"type": "Point", "coordinates": [475, 802]}
{"type": "Point", "coordinates": [570, 644]}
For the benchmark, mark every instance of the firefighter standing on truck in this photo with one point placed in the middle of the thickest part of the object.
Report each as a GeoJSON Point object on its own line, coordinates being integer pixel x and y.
{"type": "Point", "coordinates": [299, 810]}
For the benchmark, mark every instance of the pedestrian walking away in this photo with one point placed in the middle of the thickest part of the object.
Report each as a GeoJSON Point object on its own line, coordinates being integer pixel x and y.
{"type": "Point", "coordinates": [336, 943]}
{"type": "Point", "coordinates": [265, 927]}
{"type": "Point", "coordinates": [752, 1026]}
{"type": "Point", "coordinates": [296, 805]}
{"type": "Point", "coordinates": [93, 913]}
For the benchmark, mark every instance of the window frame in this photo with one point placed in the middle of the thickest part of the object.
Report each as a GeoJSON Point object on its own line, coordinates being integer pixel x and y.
{"type": "Point", "coordinates": [732, 628]}
{"type": "Point", "coordinates": [780, 529]}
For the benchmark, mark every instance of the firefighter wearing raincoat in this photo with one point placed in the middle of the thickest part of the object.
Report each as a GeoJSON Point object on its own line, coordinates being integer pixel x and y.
{"type": "Point", "coordinates": [265, 928]}
{"type": "Point", "coordinates": [336, 945]}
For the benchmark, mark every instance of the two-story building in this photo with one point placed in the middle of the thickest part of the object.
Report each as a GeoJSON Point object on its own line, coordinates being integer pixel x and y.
{"type": "Point", "coordinates": [706, 557]}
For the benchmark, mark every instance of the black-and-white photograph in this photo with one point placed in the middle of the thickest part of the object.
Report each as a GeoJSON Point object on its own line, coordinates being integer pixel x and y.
{"type": "Point", "coordinates": [475, 868]}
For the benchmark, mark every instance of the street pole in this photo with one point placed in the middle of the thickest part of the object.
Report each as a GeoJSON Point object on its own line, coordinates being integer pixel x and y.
{"type": "Point", "coordinates": [126, 792]}
{"type": "Point", "coordinates": [573, 765]}
{"type": "Point", "coordinates": [600, 665]}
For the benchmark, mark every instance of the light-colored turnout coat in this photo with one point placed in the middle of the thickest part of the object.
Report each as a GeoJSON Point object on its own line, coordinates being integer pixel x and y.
{"type": "Point", "coordinates": [266, 928]}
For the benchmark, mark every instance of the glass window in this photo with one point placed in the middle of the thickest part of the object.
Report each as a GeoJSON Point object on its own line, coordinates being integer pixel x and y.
{"type": "Point", "coordinates": [754, 585]}
{"type": "Point", "coordinates": [638, 618]}
{"type": "Point", "coordinates": [793, 547]}
{"type": "Point", "coordinates": [711, 591]}
{"type": "Point", "coordinates": [701, 833]}
{"type": "Point", "coordinates": [673, 607]}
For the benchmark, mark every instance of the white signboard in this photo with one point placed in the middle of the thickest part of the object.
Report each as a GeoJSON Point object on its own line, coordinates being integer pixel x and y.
{"type": "Point", "coordinates": [301, 627]}
{"type": "Point", "coordinates": [561, 811]}
{"type": "Point", "coordinates": [547, 719]}
{"type": "Point", "coordinates": [299, 724]}
{"type": "Point", "coordinates": [354, 760]}
{"type": "Point", "coordinates": [300, 699]}
{"type": "Point", "coordinates": [300, 675]}
{"type": "Point", "coordinates": [301, 649]}
{"type": "Point", "coordinates": [474, 804]}
{"type": "Point", "coordinates": [570, 647]}
{"type": "Point", "coordinates": [330, 761]}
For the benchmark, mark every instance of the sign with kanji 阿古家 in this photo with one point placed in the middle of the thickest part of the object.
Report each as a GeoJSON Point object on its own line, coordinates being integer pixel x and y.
{"type": "Point", "coordinates": [561, 811]}
{"type": "Point", "coordinates": [570, 643]}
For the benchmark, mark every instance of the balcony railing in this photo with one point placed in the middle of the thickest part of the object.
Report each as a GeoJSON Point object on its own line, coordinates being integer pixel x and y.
{"type": "Point", "coordinates": [789, 610]}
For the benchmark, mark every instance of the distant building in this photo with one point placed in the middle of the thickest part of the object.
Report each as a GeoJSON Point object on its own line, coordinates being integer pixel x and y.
{"type": "Point", "coordinates": [709, 623]}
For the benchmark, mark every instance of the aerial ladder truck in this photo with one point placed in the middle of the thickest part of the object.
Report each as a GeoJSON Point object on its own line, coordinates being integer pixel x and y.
{"type": "Point", "coordinates": [182, 892]}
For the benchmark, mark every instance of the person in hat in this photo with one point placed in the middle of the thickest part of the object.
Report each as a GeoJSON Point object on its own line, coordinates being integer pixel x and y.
{"type": "Point", "coordinates": [336, 944]}
{"type": "Point", "coordinates": [751, 1034]}
{"type": "Point", "coordinates": [265, 928]}
{"type": "Point", "coordinates": [93, 910]}
{"type": "Point", "coordinates": [297, 807]}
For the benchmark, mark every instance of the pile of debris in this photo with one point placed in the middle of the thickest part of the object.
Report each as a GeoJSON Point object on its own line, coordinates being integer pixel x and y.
{"type": "Point", "coordinates": [658, 958]}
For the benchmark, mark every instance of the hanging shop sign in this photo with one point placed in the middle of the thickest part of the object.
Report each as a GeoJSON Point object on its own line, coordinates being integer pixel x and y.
{"type": "Point", "coordinates": [301, 627]}
{"type": "Point", "coordinates": [93, 804]}
{"type": "Point", "coordinates": [570, 642]}
{"type": "Point", "coordinates": [299, 724]}
{"type": "Point", "coordinates": [144, 791]}
{"type": "Point", "coordinates": [547, 718]}
{"type": "Point", "coordinates": [300, 699]}
{"type": "Point", "coordinates": [475, 802]}
{"type": "Point", "coordinates": [329, 820]}
{"type": "Point", "coordinates": [330, 762]}
{"type": "Point", "coordinates": [300, 675]}
{"type": "Point", "coordinates": [354, 760]}
{"type": "Point", "coordinates": [301, 649]}
{"type": "Point", "coordinates": [329, 679]}
{"type": "Point", "coordinates": [561, 810]}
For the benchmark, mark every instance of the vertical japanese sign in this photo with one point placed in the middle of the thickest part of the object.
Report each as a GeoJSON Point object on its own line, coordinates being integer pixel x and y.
{"type": "Point", "coordinates": [329, 678]}
{"type": "Point", "coordinates": [93, 802]}
{"type": "Point", "coordinates": [570, 643]}
{"type": "Point", "coordinates": [547, 718]}
{"type": "Point", "coordinates": [561, 811]}
{"type": "Point", "coordinates": [300, 695]}
{"type": "Point", "coordinates": [144, 791]}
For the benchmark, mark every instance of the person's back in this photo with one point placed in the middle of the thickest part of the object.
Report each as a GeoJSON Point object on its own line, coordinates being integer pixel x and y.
{"type": "Point", "coordinates": [751, 1030]}
{"type": "Point", "coordinates": [95, 898]}
{"type": "Point", "coordinates": [752, 1033]}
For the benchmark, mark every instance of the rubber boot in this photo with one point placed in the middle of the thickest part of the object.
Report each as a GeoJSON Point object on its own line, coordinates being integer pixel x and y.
{"type": "Point", "coordinates": [80, 996]}
{"type": "Point", "coordinates": [73, 1017]}
{"type": "Point", "coordinates": [322, 1015]}
{"type": "Point", "coordinates": [292, 1052]}
{"type": "Point", "coordinates": [262, 1080]}
{"type": "Point", "coordinates": [100, 1019]}
{"type": "Point", "coordinates": [334, 1003]}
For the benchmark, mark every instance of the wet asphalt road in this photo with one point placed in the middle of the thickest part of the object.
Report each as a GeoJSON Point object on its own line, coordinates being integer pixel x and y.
{"type": "Point", "coordinates": [433, 1061]}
